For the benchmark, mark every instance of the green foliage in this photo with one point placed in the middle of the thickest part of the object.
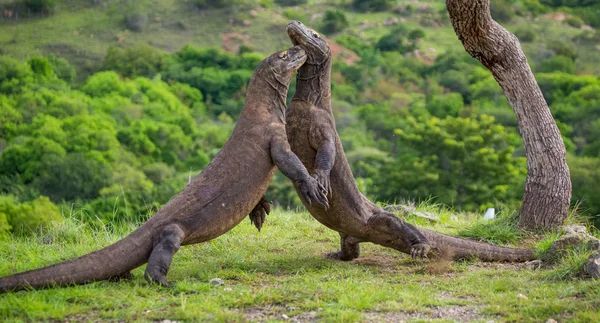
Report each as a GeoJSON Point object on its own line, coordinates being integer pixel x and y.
{"type": "Point", "coordinates": [525, 34]}
{"type": "Point", "coordinates": [557, 64]}
{"type": "Point", "coordinates": [460, 161]}
{"type": "Point", "coordinates": [41, 5]}
{"type": "Point", "coordinates": [139, 60]}
{"type": "Point", "coordinates": [290, 2]}
{"type": "Point", "coordinates": [28, 217]}
{"type": "Point", "coordinates": [372, 5]}
{"type": "Point", "coordinates": [568, 3]}
{"type": "Point", "coordinates": [71, 177]}
{"type": "Point", "coordinates": [399, 40]}
{"type": "Point", "coordinates": [62, 68]}
{"type": "Point", "coordinates": [216, 3]}
{"type": "Point", "coordinates": [584, 178]}
{"type": "Point", "coordinates": [502, 10]}
{"type": "Point", "coordinates": [334, 21]}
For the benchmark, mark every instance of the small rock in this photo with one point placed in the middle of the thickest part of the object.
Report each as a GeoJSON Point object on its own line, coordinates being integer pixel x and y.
{"type": "Point", "coordinates": [246, 23]}
{"type": "Point", "coordinates": [407, 209]}
{"type": "Point", "coordinates": [533, 265]}
{"type": "Point", "coordinates": [228, 289]}
{"type": "Point", "coordinates": [168, 321]}
{"type": "Point", "coordinates": [217, 281]}
{"type": "Point", "coordinates": [316, 16]}
{"type": "Point", "coordinates": [551, 321]}
{"type": "Point", "coordinates": [252, 13]}
{"type": "Point", "coordinates": [521, 296]}
{"type": "Point", "coordinates": [285, 317]}
{"type": "Point", "coordinates": [573, 236]}
{"type": "Point", "coordinates": [428, 216]}
{"type": "Point", "coordinates": [391, 21]}
{"type": "Point", "coordinates": [592, 267]}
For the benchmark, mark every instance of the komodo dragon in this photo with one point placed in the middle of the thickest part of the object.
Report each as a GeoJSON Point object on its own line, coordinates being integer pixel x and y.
{"type": "Point", "coordinates": [313, 138]}
{"type": "Point", "coordinates": [214, 202]}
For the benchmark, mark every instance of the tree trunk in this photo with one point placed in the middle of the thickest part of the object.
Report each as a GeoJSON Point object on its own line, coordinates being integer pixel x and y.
{"type": "Point", "coordinates": [548, 185]}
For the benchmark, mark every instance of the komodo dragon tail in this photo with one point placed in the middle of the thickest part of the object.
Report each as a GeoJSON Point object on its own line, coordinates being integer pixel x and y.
{"type": "Point", "coordinates": [458, 248]}
{"type": "Point", "coordinates": [113, 261]}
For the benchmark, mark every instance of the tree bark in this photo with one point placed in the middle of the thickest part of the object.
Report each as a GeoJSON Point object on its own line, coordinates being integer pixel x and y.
{"type": "Point", "coordinates": [548, 184]}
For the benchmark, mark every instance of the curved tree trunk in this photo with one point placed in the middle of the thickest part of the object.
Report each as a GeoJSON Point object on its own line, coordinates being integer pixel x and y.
{"type": "Point", "coordinates": [548, 185]}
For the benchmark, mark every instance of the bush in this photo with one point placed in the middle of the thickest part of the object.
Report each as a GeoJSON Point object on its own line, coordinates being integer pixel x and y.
{"type": "Point", "coordinates": [563, 48]}
{"type": "Point", "coordinates": [216, 3]}
{"type": "Point", "coordinates": [502, 10]}
{"type": "Point", "coordinates": [41, 5]}
{"type": "Point", "coordinates": [28, 217]}
{"type": "Point", "coordinates": [373, 5]}
{"type": "Point", "coordinates": [334, 21]}
{"type": "Point", "coordinates": [139, 60]}
{"type": "Point", "coordinates": [396, 40]}
{"type": "Point", "coordinates": [525, 34]}
{"type": "Point", "coordinates": [62, 68]}
{"type": "Point", "coordinates": [574, 21]}
{"type": "Point", "coordinates": [557, 64]}
{"type": "Point", "coordinates": [291, 2]}
{"type": "Point", "coordinates": [136, 21]}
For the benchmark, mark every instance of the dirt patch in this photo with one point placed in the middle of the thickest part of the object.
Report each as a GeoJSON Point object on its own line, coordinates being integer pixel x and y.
{"type": "Point", "coordinates": [556, 16]}
{"type": "Point", "coordinates": [277, 312]}
{"type": "Point", "coordinates": [232, 41]}
{"type": "Point", "coordinates": [377, 261]}
{"type": "Point", "coordinates": [342, 53]}
{"type": "Point", "coordinates": [455, 313]}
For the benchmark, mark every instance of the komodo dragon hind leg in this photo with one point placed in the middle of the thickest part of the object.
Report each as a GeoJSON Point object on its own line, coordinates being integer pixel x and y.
{"type": "Point", "coordinates": [162, 254]}
{"type": "Point", "coordinates": [402, 236]}
{"type": "Point", "coordinates": [349, 249]}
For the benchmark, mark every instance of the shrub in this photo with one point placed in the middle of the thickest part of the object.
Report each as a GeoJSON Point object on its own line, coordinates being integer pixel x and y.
{"type": "Point", "coordinates": [216, 3]}
{"type": "Point", "coordinates": [557, 64]}
{"type": "Point", "coordinates": [139, 60]}
{"type": "Point", "coordinates": [574, 21]}
{"type": "Point", "coordinates": [28, 217]}
{"type": "Point", "coordinates": [525, 34]}
{"type": "Point", "coordinates": [396, 41]}
{"type": "Point", "coordinates": [334, 21]}
{"type": "Point", "coordinates": [501, 10]}
{"type": "Point", "coordinates": [562, 48]}
{"type": "Point", "coordinates": [373, 5]}
{"type": "Point", "coordinates": [291, 2]}
{"type": "Point", "coordinates": [41, 5]}
{"type": "Point", "coordinates": [136, 21]}
{"type": "Point", "coordinates": [62, 68]}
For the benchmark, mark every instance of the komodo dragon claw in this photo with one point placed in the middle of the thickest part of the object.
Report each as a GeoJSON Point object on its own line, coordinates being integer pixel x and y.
{"type": "Point", "coordinates": [259, 213]}
{"type": "Point", "coordinates": [419, 250]}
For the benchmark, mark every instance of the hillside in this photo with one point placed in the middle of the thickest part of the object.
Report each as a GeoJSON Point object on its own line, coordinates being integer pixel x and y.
{"type": "Point", "coordinates": [81, 32]}
{"type": "Point", "coordinates": [111, 106]}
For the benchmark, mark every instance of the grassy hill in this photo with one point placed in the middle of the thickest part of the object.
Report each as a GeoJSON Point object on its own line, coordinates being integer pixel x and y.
{"type": "Point", "coordinates": [81, 32]}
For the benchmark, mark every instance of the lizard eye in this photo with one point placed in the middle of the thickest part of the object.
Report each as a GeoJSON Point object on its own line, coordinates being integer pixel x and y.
{"type": "Point", "coordinates": [315, 35]}
{"type": "Point", "coordinates": [283, 55]}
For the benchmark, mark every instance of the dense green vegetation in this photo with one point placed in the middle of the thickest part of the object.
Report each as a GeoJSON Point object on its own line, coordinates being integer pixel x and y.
{"type": "Point", "coordinates": [118, 136]}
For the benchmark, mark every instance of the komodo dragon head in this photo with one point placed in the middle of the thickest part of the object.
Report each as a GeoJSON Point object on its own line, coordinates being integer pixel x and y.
{"type": "Point", "coordinates": [314, 78]}
{"type": "Point", "coordinates": [317, 49]}
{"type": "Point", "coordinates": [280, 67]}
{"type": "Point", "coordinates": [272, 77]}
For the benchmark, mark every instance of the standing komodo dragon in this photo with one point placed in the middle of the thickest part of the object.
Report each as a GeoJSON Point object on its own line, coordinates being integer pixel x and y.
{"type": "Point", "coordinates": [214, 202]}
{"type": "Point", "coordinates": [313, 138]}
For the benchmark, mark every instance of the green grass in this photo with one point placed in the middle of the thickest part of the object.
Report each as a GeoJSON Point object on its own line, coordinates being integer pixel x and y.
{"type": "Point", "coordinates": [282, 271]}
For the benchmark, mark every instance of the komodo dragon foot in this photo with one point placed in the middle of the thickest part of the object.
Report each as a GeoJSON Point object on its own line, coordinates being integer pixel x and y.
{"type": "Point", "coordinates": [259, 213]}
